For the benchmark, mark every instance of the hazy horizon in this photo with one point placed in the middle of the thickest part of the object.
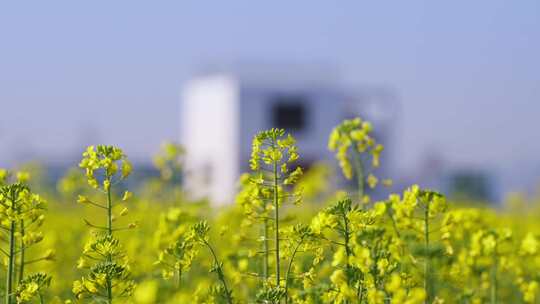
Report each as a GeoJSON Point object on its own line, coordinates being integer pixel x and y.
{"type": "Point", "coordinates": [466, 73]}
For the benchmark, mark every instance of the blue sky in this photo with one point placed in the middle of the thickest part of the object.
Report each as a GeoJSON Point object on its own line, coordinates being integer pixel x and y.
{"type": "Point", "coordinates": [467, 72]}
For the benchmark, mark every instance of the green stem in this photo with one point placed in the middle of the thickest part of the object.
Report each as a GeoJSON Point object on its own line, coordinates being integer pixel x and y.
{"type": "Point", "coordinates": [179, 283]}
{"type": "Point", "coordinates": [266, 250]}
{"type": "Point", "coordinates": [347, 237]}
{"type": "Point", "coordinates": [109, 212]}
{"type": "Point", "coordinates": [493, 276]}
{"type": "Point", "coordinates": [9, 277]}
{"type": "Point", "coordinates": [220, 273]}
{"type": "Point", "coordinates": [289, 267]}
{"type": "Point", "coordinates": [41, 299]}
{"type": "Point", "coordinates": [427, 260]}
{"type": "Point", "coordinates": [109, 232]}
{"type": "Point", "coordinates": [21, 269]}
{"type": "Point", "coordinates": [394, 224]}
{"type": "Point", "coordinates": [360, 176]}
{"type": "Point", "coordinates": [396, 230]}
{"type": "Point", "coordinates": [276, 220]}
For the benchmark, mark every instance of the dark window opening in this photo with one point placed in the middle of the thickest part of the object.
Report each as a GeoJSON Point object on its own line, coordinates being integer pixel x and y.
{"type": "Point", "coordinates": [289, 113]}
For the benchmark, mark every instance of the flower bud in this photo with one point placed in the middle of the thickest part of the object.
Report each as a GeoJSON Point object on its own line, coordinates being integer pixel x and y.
{"type": "Point", "coordinates": [82, 199]}
{"type": "Point", "coordinates": [127, 195]}
{"type": "Point", "coordinates": [124, 212]}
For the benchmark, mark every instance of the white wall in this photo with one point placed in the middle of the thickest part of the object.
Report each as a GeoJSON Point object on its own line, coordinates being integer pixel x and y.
{"type": "Point", "coordinates": [210, 135]}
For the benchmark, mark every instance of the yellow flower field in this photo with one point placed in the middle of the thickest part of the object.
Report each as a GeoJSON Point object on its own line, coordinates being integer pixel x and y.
{"type": "Point", "coordinates": [288, 238]}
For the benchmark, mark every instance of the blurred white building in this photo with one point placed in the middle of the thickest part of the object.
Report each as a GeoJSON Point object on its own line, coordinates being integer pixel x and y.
{"type": "Point", "coordinates": [221, 112]}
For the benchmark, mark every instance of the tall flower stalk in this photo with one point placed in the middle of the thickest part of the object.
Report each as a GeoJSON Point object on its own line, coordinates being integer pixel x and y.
{"type": "Point", "coordinates": [352, 141]}
{"type": "Point", "coordinates": [256, 203]}
{"type": "Point", "coordinates": [301, 238]}
{"type": "Point", "coordinates": [173, 236]}
{"type": "Point", "coordinates": [269, 187]}
{"type": "Point", "coordinates": [416, 214]}
{"type": "Point", "coordinates": [432, 203]}
{"type": "Point", "coordinates": [200, 234]}
{"type": "Point", "coordinates": [22, 214]}
{"type": "Point", "coordinates": [109, 275]}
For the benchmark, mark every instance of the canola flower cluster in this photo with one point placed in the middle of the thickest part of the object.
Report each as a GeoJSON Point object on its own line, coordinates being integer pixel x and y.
{"type": "Point", "coordinates": [103, 257]}
{"type": "Point", "coordinates": [290, 238]}
{"type": "Point", "coordinates": [22, 214]}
